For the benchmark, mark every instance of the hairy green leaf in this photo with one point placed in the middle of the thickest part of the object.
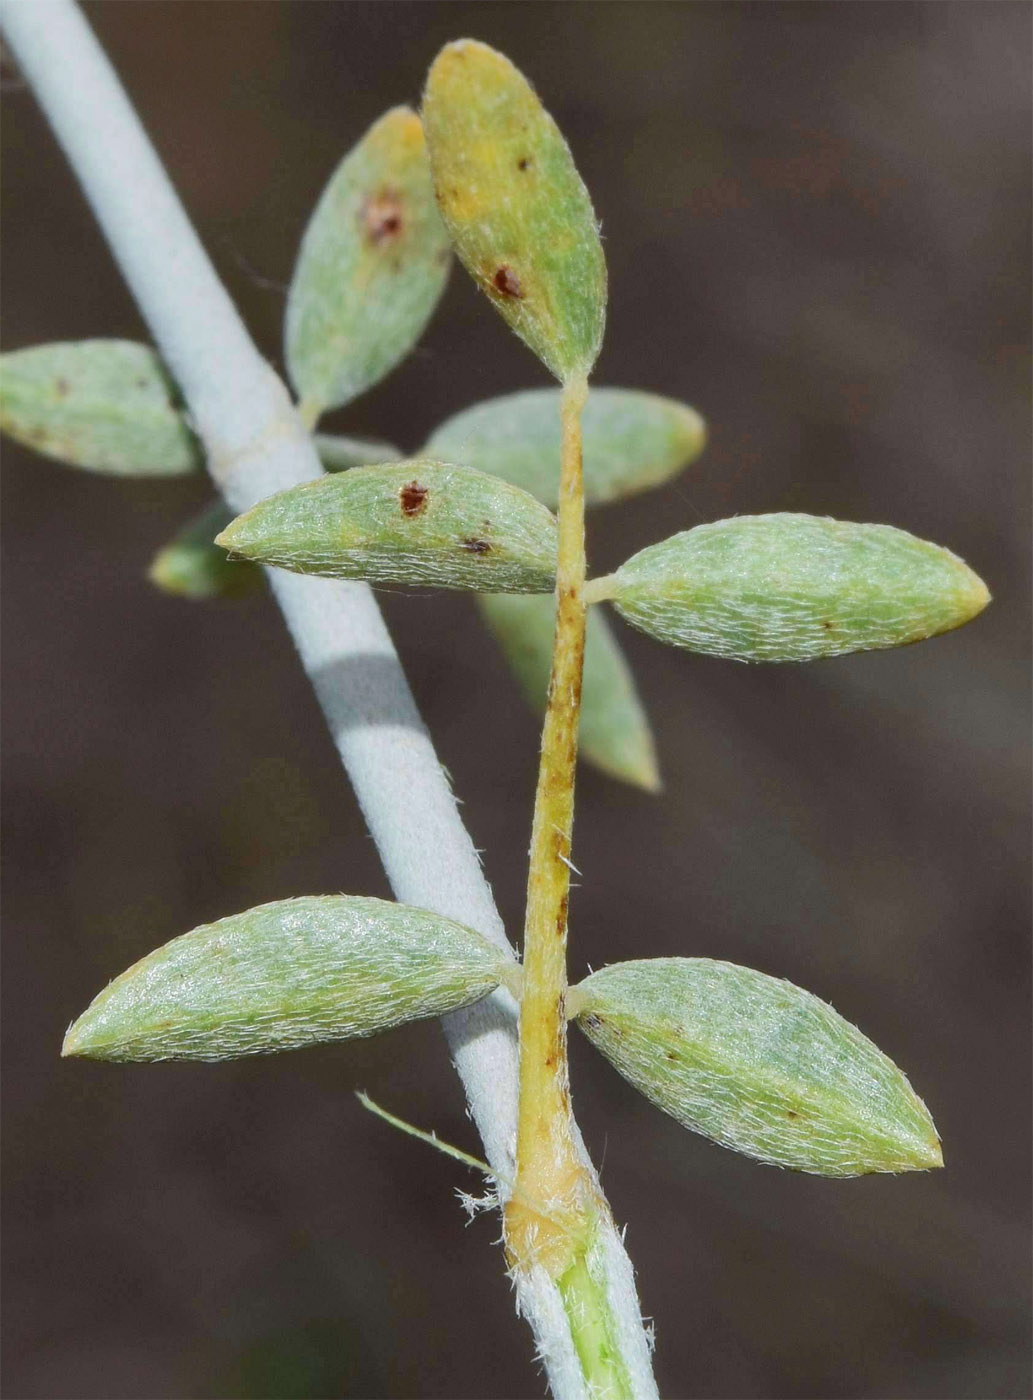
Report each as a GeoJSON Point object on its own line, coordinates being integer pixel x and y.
{"type": "Point", "coordinates": [757, 1065]}
{"type": "Point", "coordinates": [615, 732]}
{"type": "Point", "coordinates": [793, 588]}
{"type": "Point", "coordinates": [193, 566]}
{"type": "Point", "coordinates": [293, 973]}
{"type": "Point", "coordinates": [417, 521]}
{"type": "Point", "coordinates": [372, 265]}
{"type": "Point", "coordinates": [105, 405]}
{"type": "Point", "coordinates": [632, 441]}
{"type": "Point", "coordinates": [520, 217]}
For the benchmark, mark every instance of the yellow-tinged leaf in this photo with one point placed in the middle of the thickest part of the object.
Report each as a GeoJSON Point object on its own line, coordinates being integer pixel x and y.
{"type": "Point", "coordinates": [519, 215]}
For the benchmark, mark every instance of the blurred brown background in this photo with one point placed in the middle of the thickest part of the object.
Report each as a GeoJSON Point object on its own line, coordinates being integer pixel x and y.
{"type": "Point", "coordinates": [817, 226]}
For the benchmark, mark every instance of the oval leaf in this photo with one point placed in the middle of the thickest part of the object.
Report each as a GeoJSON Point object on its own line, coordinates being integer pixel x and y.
{"type": "Point", "coordinates": [757, 1065]}
{"type": "Point", "coordinates": [632, 441]}
{"type": "Point", "coordinates": [520, 218]}
{"type": "Point", "coordinates": [794, 588]}
{"type": "Point", "coordinates": [372, 265]}
{"type": "Point", "coordinates": [615, 732]}
{"type": "Point", "coordinates": [193, 566]}
{"type": "Point", "coordinates": [293, 973]}
{"type": "Point", "coordinates": [105, 405]}
{"type": "Point", "coordinates": [405, 522]}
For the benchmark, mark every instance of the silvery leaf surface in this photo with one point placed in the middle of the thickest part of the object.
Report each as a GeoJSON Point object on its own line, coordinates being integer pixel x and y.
{"type": "Point", "coordinates": [293, 973]}
{"type": "Point", "coordinates": [757, 1065]}
{"type": "Point", "coordinates": [418, 522]}
{"type": "Point", "coordinates": [794, 588]}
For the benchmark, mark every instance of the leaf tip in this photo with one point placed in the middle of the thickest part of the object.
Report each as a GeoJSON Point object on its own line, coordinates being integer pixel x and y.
{"type": "Point", "coordinates": [976, 597]}
{"type": "Point", "coordinates": [233, 537]}
{"type": "Point", "coordinates": [80, 1040]}
{"type": "Point", "coordinates": [925, 1152]}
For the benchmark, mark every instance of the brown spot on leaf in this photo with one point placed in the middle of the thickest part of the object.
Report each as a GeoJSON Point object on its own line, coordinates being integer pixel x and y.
{"type": "Point", "coordinates": [413, 498]}
{"type": "Point", "coordinates": [523, 163]}
{"type": "Point", "coordinates": [63, 388]}
{"type": "Point", "coordinates": [475, 546]}
{"type": "Point", "coordinates": [507, 283]}
{"type": "Point", "coordinates": [382, 217]}
{"type": "Point", "coordinates": [826, 624]}
{"type": "Point", "coordinates": [592, 1021]}
{"type": "Point", "coordinates": [791, 1113]}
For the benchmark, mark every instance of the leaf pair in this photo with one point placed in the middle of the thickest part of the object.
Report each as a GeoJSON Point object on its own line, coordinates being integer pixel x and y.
{"type": "Point", "coordinates": [749, 1061]}
{"type": "Point", "coordinates": [755, 588]}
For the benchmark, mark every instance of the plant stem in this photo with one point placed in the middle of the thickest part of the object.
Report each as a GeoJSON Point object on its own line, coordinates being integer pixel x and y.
{"type": "Point", "coordinates": [556, 1211]}
{"type": "Point", "coordinates": [548, 1166]}
{"type": "Point", "coordinates": [257, 446]}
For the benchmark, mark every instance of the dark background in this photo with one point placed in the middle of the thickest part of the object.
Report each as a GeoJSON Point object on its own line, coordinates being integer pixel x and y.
{"type": "Point", "coordinates": [817, 227]}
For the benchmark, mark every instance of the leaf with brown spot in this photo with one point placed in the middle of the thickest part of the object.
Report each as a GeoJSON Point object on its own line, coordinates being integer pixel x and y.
{"type": "Point", "coordinates": [372, 265]}
{"type": "Point", "coordinates": [103, 405]}
{"type": "Point", "coordinates": [418, 521]}
{"type": "Point", "coordinates": [520, 217]}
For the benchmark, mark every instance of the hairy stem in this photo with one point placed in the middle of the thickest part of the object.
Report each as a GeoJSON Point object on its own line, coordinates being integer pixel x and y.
{"type": "Point", "coordinates": [554, 1215]}
{"type": "Point", "coordinates": [548, 1165]}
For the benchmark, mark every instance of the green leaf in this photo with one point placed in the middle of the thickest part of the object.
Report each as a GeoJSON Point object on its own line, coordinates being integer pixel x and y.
{"type": "Point", "coordinates": [615, 732]}
{"type": "Point", "coordinates": [417, 521]}
{"type": "Point", "coordinates": [340, 454]}
{"type": "Point", "coordinates": [520, 217]}
{"type": "Point", "coordinates": [632, 441]}
{"type": "Point", "coordinates": [193, 566]}
{"type": "Point", "coordinates": [373, 262]}
{"type": "Point", "coordinates": [293, 973]}
{"type": "Point", "coordinates": [793, 588]}
{"type": "Point", "coordinates": [105, 405]}
{"type": "Point", "coordinates": [757, 1065]}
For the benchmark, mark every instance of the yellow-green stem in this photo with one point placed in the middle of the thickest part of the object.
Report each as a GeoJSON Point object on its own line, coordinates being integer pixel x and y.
{"type": "Point", "coordinates": [549, 1169]}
